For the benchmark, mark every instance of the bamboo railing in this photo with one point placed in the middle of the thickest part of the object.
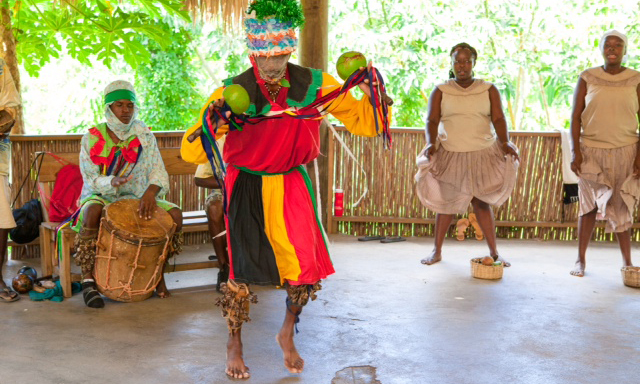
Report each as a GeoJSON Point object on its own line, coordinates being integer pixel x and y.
{"type": "Point", "coordinates": [534, 211]}
{"type": "Point", "coordinates": [182, 188]}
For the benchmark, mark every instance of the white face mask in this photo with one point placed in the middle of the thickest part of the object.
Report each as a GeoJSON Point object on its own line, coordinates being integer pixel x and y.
{"type": "Point", "coordinates": [272, 68]}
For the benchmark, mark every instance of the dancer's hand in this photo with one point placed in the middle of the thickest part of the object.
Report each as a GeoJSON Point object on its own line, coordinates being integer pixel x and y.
{"type": "Point", "coordinates": [576, 163]}
{"type": "Point", "coordinates": [510, 149]}
{"type": "Point", "coordinates": [364, 86]}
{"type": "Point", "coordinates": [218, 104]}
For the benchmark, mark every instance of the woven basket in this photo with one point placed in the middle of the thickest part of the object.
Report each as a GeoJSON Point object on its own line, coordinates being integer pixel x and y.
{"type": "Point", "coordinates": [631, 276]}
{"type": "Point", "coordinates": [487, 272]}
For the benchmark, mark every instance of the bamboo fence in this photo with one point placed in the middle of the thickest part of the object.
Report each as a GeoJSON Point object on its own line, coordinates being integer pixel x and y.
{"type": "Point", "coordinates": [534, 211]}
{"type": "Point", "coordinates": [182, 189]}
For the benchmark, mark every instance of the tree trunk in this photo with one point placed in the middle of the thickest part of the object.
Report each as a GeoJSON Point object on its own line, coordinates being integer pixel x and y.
{"type": "Point", "coordinates": [314, 53]}
{"type": "Point", "coordinates": [9, 54]}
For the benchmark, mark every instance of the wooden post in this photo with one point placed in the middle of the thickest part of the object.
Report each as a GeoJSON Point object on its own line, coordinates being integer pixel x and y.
{"type": "Point", "coordinates": [9, 55]}
{"type": "Point", "coordinates": [313, 52]}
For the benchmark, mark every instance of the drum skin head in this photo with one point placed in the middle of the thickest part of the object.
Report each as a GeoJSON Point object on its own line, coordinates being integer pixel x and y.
{"type": "Point", "coordinates": [124, 217]}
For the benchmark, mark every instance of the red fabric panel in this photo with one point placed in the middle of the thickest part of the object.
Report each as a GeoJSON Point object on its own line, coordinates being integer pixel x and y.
{"type": "Point", "coordinates": [229, 181]}
{"type": "Point", "coordinates": [304, 233]}
{"type": "Point", "coordinates": [66, 192]}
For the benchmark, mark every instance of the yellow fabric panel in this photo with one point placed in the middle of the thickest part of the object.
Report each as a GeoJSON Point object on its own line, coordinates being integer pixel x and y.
{"type": "Point", "coordinates": [356, 115]}
{"type": "Point", "coordinates": [193, 152]}
{"type": "Point", "coordinates": [276, 229]}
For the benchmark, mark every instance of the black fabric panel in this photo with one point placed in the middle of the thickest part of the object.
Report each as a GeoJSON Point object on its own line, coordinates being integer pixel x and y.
{"type": "Point", "coordinates": [248, 81]}
{"type": "Point", "coordinates": [253, 259]}
{"type": "Point", "coordinates": [300, 82]}
{"type": "Point", "coordinates": [570, 193]}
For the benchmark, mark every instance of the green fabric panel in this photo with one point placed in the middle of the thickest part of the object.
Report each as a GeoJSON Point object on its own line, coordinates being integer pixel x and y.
{"type": "Point", "coordinates": [312, 92]}
{"type": "Point", "coordinates": [120, 94]}
{"type": "Point", "coordinates": [260, 173]}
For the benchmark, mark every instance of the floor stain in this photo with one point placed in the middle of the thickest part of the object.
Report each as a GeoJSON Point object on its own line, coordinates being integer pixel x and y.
{"type": "Point", "coordinates": [356, 375]}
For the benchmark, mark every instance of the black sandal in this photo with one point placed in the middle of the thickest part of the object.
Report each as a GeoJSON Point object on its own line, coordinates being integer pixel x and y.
{"type": "Point", "coordinates": [370, 238]}
{"type": "Point", "coordinates": [393, 239]}
{"type": "Point", "coordinates": [91, 296]}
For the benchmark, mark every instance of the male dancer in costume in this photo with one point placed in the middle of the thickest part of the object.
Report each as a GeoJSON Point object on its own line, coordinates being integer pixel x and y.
{"type": "Point", "coordinates": [273, 231]}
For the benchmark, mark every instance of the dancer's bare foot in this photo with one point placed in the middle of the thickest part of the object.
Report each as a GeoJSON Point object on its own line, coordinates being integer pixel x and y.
{"type": "Point", "coordinates": [505, 263]}
{"type": "Point", "coordinates": [433, 258]}
{"type": "Point", "coordinates": [235, 363]}
{"type": "Point", "coordinates": [162, 290]}
{"type": "Point", "coordinates": [578, 269]}
{"type": "Point", "coordinates": [292, 360]}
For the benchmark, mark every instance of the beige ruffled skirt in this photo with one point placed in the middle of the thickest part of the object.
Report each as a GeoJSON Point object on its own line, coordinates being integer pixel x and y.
{"type": "Point", "coordinates": [6, 215]}
{"type": "Point", "coordinates": [449, 182]}
{"type": "Point", "coordinates": [606, 183]}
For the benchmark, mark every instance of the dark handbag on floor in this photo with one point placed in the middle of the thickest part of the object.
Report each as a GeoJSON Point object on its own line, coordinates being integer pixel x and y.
{"type": "Point", "coordinates": [28, 217]}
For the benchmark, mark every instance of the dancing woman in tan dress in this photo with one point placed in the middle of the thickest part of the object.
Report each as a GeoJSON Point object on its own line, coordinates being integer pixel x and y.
{"type": "Point", "coordinates": [604, 131]}
{"type": "Point", "coordinates": [468, 157]}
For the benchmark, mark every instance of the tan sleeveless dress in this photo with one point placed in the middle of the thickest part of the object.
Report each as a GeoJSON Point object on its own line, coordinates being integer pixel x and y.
{"type": "Point", "coordinates": [609, 140]}
{"type": "Point", "coordinates": [469, 161]}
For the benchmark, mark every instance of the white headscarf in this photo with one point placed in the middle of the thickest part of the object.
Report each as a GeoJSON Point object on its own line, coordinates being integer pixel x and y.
{"type": "Point", "coordinates": [617, 34]}
{"type": "Point", "coordinates": [123, 131]}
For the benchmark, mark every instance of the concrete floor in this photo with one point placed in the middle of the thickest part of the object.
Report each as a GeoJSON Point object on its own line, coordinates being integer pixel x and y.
{"type": "Point", "coordinates": [383, 309]}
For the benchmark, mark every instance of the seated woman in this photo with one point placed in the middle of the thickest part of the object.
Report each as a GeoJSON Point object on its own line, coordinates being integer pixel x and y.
{"type": "Point", "coordinates": [468, 158]}
{"type": "Point", "coordinates": [119, 160]}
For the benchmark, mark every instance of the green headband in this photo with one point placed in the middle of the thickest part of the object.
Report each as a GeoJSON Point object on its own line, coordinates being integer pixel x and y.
{"type": "Point", "coordinates": [120, 94]}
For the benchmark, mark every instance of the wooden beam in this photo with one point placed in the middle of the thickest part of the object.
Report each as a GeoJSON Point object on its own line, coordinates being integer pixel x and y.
{"type": "Point", "coordinates": [190, 266]}
{"type": "Point", "coordinates": [313, 48]}
{"type": "Point", "coordinates": [313, 52]}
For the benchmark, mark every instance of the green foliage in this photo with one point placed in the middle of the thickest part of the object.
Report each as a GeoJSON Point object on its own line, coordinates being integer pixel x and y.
{"type": "Point", "coordinates": [283, 10]}
{"type": "Point", "coordinates": [532, 50]}
{"type": "Point", "coordinates": [89, 31]}
{"type": "Point", "coordinates": [167, 84]}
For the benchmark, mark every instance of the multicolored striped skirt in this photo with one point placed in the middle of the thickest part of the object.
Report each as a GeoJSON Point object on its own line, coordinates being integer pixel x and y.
{"type": "Point", "coordinates": [273, 230]}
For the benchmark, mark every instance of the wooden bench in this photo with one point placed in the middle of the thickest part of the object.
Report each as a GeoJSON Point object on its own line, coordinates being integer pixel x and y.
{"type": "Point", "coordinates": [193, 221]}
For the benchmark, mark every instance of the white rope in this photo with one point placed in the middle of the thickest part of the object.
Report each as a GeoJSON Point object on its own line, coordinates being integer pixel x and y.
{"type": "Point", "coordinates": [344, 146]}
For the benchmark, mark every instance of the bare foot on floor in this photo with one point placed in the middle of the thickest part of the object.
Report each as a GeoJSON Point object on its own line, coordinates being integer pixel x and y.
{"type": "Point", "coordinates": [292, 360]}
{"type": "Point", "coordinates": [578, 269]}
{"type": "Point", "coordinates": [235, 368]}
{"type": "Point", "coordinates": [500, 258]}
{"type": "Point", "coordinates": [433, 258]}
{"type": "Point", "coordinates": [162, 290]}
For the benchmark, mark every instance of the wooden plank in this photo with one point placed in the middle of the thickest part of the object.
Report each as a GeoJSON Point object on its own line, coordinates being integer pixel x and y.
{"type": "Point", "coordinates": [193, 214]}
{"type": "Point", "coordinates": [174, 164]}
{"type": "Point", "coordinates": [11, 243]}
{"type": "Point", "coordinates": [190, 228]}
{"type": "Point", "coordinates": [51, 166]}
{"type": "Point", "coordinates": [190, 266]}
{"type": "Point", "coordinates": [46, 259]}
{"type": "Point", "coordinates": [408, 220]}
{"type": "Point", "coordinates": [78, 136]}
{"type": "Point", "coordinates": [420, 131]}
